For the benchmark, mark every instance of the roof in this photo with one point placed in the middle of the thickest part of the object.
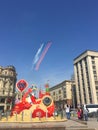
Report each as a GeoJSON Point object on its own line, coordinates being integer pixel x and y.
{"type": "Point", "coordinates": [84, 53]}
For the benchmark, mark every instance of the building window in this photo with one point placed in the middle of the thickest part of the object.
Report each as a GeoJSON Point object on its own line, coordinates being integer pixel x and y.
{"type": "Point", "coordinates": [2, 100]}
{"type": "Point", "coordinates": [93, 62]}
{"type": "Point", "coordinates": [60, 98]}
{"type": "Point", "coordinates": [59, 91]}
{"type": "Point", "coordinates": [92, 57]}
{"type": "Point", "coordinates": [95, 77]}
{"type": "Point", "coordinates": [97, 95]}
{"type": "Point", "coordinates": [8, 107]}
{"type": "Point", "coordinates": [64, 95]}
{"type": "Point", "coordinates": [56, 97]}
{"type": "Point", "coordinates": [11, 73]}
{"type": "Point", "coordinates": [94, 72]}
{"type": "Point", "coordinates": [96, 87]}
{"type": "Point", "coordinates": [53, 93]}
{"type": "Point", "coordinates": [64, 88]}
{"type": "Point", "coordinates": [96, 82]}
{"type": "Point", "coordinates": [5, 72]}
{"type": "Point", "coordinates": [3, 91]}
{"type": "Point", "coordinates": [94, 67]}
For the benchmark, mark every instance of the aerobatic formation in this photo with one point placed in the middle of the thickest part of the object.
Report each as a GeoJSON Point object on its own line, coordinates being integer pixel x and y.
{"type": "Point", "coordinates": [40, 55]}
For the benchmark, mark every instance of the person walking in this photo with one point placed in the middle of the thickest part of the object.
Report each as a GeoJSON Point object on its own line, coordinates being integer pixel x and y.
{"type": "Point", "coordinates": [85, 113]}
{"type": "Point", "coordinates": [67, 111]}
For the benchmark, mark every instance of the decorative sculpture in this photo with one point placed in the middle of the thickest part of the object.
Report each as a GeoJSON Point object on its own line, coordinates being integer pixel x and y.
{"type": "Point", "coordinates": [41, 107]}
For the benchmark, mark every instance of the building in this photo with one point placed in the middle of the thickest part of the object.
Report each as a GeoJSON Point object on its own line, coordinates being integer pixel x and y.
{"type": "Point", "coordinates": [7, 87]}
{"type": "Point", "coordinates": [62, 93]}
{"type": "Point", "coordinates": [86, 77]}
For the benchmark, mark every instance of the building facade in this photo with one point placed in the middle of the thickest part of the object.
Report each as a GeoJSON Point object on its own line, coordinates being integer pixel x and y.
{"type": "Point", "coordinates": [7, 87]}
{"type": "Point", "coordinates": [62, 93]}
{"type": "Point", "coordinates": [86, 77]}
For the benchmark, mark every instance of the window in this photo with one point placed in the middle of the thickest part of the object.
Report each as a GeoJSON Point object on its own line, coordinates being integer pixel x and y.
{"type": "Point", "coordinates": [53, 93]}
{"type": "Point", "coordinates": [96, 82]}
{"type": "Point", "coordinates": [92, 57]}
{"type": "Point", "coordinates": [5, 72]}
{"type": "Point", "coordinates": [94, 67]}
{"type": "Point", "coordinates": [96, 87]}
{"type": "Point", "coordinates": [11, 73]}
{"type": "Point", "coordinates": [97, 93]}
{"type": "Point", "coordinates": [64, 95]}
{"type": "Point", "coordinates": [95, 77]}
{"type": "Point", "coordinates": [94, 72]}
{"type": "Point", "coordinates": [3, 91]}
{"type": "Point", "coordinates": [60, 98]}
{"type": "Point", "coordinates": [2, 100]}
{"type": "Point", "coordinates": [56, 97]}
{"type": "Point", "coordinates": [64, 88]}
{"type": "Point", "coordinates": [93, 62]}
{"type": "Point", "coordinates": [92, 106]}
{"type": "Point", "coordinates": [59, 91]}
{"type": "Point", "coordinates": [8, 107]}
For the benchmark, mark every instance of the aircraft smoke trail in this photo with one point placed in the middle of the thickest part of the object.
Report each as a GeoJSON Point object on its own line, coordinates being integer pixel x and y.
{"type": "Point", "coordinates": [43, 55]}
{"type": "Point", "coordinates": [38, 54]}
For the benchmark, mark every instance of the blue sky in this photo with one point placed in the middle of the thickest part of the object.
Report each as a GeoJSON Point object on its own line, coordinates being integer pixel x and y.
{"type": "Point", "coordinates": [71, 25]}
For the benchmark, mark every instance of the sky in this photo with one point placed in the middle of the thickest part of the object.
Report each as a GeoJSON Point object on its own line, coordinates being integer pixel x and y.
{"type": "Point", "coordinates": [71, 26]}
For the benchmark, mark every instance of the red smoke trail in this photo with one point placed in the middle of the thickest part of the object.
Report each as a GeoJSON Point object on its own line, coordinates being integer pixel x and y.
{"type": "Point", "coordinates": [43, 55]}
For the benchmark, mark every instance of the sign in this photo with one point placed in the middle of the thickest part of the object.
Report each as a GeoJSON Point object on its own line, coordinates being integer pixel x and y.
{"type": "Point", "coordinates": [21, 85]}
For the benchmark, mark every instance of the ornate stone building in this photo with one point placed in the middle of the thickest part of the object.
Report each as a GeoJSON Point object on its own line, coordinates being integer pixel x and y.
{"type": "Point", "coordinates": [7, 87]}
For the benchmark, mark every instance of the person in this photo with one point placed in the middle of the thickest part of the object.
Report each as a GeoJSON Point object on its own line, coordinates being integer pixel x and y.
{"type": "Point", "coordinates": [85, 113]}
{"type": "Point", "coordinates": [80, 113]}
{"type": "Point", "coordinates": [97, 114]}
{"type": "Point", "coordinates": [68, 111]}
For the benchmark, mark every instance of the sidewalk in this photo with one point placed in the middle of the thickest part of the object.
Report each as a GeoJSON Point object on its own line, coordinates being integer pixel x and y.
{"type": "Point", "coordinates": [63, 125]}
{"type": "Point", "coordinates": [91, 123]}
{"type": "Point", "coordinates": [73, 124]}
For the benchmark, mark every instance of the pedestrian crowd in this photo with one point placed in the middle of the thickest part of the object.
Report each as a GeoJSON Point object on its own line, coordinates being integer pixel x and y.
{"type": "Point", "coordinates": [82, 113]}
{"type": "Point", "coordinates": [65, 111]}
